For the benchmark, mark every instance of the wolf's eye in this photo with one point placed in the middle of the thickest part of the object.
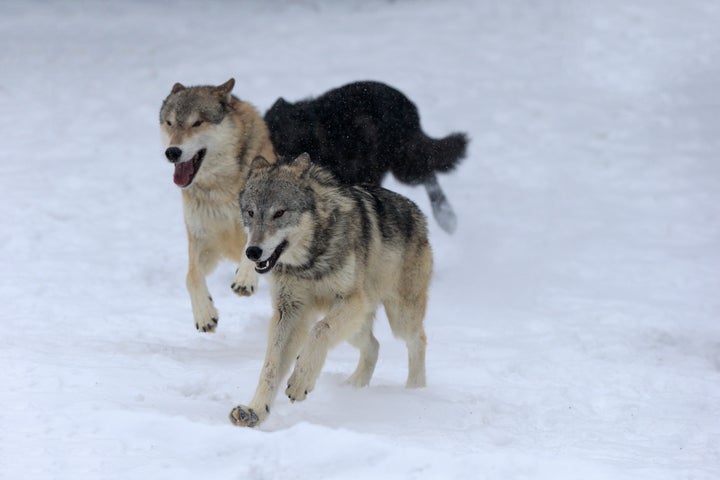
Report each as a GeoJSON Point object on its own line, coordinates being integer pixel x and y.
{"type": "Point", "coordinates": [169, 123]}
{"type": "Point", "coordinates": [279, 214]}
{"type": "Point", "coordinates": [250, 213]}
{"type": "Point", "coordinates": [197, 124]}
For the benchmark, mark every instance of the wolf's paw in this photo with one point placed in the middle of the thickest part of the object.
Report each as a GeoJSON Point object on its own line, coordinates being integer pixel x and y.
{"type": "Point", "coordinates": [242, 290]}
{"type": "Point", "coordinates": [299, 384]}
{"type": "Point", "coordinates": [246, 280]}
{"type": "Point", "coordinates": [243, 416]}
{"type": "Point", "coordinates": [206, 317]}
{"type": "Point", "coordinates": [207, 326]}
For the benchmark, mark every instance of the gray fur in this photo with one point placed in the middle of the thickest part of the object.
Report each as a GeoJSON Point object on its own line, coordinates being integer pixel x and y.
{"type": "Point", "coordinates": [338, 251]}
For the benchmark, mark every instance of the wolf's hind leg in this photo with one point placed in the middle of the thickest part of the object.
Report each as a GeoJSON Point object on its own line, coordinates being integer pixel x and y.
{"type": "Point", "coordinates": [405, 309]}
{"type": "Point", "coordinates": [416, 361]}
{"type": "Point", "coordinates": [406, 322]}
{"type": "Point", "coordinates": [365, 341]}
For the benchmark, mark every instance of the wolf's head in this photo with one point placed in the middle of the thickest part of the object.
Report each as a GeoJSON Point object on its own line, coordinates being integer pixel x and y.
{"type": "Point", "coordinates": [277, 205]}
{"type": "Point", "coordinates": [291, 127]}
{"type": "Point", "coordinates": [197, 130]}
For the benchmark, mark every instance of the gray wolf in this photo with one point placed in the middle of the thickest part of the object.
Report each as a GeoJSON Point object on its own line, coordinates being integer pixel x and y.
{"type": "Point", "coordinates": [338, 251]}
{"type": "Point", "coordinates": [363, 130]}
{"type": "Point", "coordinates": [211, 137]}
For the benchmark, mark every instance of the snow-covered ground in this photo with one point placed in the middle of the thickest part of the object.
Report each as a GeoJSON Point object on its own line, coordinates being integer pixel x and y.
{"type": "Point", "coordinates": [574, 328]}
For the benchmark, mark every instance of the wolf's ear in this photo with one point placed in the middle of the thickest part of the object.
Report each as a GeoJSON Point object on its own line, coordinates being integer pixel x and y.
{"type": "Point", "coordinates": [279, 103]}
{"type": "Point", "coordinates": [178, 87]}
{"type": "Point", "coordinates": [259, 163]}
{"type": "Point", "coordinates": [226, 89]}
{"type": "Point", "coordinates": [301, 164]}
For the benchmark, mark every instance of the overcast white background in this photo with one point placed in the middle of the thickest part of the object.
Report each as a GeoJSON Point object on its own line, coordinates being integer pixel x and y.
{"type": "Point", "coordinates": [573, 324]}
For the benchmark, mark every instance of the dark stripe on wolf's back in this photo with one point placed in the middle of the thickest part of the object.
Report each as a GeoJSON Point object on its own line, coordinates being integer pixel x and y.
{"type": "Point", "coordinates": [359, 196]}
{"type": "Point", "coordinates": [324, 177]}
{"type": "Point", "coordinates": [397, 215]}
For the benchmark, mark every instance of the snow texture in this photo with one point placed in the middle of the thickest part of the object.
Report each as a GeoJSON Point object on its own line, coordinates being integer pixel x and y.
{"type": "Point", "coordinates": [573, 325]}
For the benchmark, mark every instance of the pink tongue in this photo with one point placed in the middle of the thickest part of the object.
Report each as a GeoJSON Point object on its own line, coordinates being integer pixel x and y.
{"type": "Point", "coordinates": [183, 173]}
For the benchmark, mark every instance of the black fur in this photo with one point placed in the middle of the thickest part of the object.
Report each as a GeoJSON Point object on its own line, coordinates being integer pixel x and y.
{"type": "Point", "coordinates": [360, 132]}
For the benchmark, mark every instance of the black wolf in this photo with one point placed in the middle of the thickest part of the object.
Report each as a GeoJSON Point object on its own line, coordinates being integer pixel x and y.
{"type": "Point", "coordinates": [363, 130]}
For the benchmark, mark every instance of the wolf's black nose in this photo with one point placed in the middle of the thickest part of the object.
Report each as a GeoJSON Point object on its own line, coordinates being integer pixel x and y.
{"type": "Point", "coordinates": [173, 154]}
{"type": "Point", "coordinates": [254, 253]}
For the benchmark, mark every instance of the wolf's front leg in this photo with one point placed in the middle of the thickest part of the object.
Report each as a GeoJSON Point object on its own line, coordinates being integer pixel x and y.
{"type": "Point", "coordinates": [201, 262]}
{"type": "Point", "coordinates": [246, 279]}
{"type": "Point", "coordinates": [287, 332]}
{"type": "Point", "coordinates": [204, 312]}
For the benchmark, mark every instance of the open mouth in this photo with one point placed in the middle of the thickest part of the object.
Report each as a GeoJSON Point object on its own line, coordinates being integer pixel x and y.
{"type": "Point", "coordinates": [267, 265]}
{"type": "Point", "coordinates": [185, 172]}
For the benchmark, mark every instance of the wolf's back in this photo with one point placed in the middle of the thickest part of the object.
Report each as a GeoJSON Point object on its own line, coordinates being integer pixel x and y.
{"type": "Point", "coordinates": [398, 218]}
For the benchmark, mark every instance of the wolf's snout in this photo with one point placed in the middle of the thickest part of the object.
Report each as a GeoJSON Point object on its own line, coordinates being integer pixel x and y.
{"type": "Point", "coordinates": [173, 154]}
{"type": "Point", "coordinates": [254, 253]}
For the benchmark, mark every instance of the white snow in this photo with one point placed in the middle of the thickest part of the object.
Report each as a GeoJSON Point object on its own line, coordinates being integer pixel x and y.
{"type": "Point", "coordinates": [573, 327]}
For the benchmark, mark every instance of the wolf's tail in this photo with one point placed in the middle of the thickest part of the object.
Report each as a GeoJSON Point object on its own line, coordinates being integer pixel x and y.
{"type": "Point", "coordinates": [444, 155]}
{"type": "Point", "coordinates": [442, 210]}
{"type": "Point", "coordinates": [423, 158]}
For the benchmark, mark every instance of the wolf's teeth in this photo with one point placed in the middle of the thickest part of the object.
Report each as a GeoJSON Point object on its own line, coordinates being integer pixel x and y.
{"type": "Point", "coordinates": [263, 264]}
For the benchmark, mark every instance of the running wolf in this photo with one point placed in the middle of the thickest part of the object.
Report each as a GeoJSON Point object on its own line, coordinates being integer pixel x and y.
{"type": "Point", "coordinates": [211, 137]}
{"type": "Point", "coordinates": [335, 250]}
{"type": "Point", "coordinates": [363, 130]}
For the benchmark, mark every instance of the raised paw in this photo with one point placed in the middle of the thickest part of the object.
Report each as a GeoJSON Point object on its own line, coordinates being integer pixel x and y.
{"type": "Point", "coordinates": [246, 280]}
{"type": "Point", "coordinates": [243, 416]}
{"type": "Point", "coordinates": [299, 385]}
{"type": "Point", "coordinates": [243, 290]}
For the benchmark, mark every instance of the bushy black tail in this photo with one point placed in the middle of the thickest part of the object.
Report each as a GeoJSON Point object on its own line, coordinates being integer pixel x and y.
{"type": "Point", "coordinates": [446, 153]}
{"type": "Point", "coordinates": [424, 156]}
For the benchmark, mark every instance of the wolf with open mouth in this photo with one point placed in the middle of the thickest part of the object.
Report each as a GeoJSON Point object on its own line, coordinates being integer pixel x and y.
{"type": "Point", "coordinates": [338, 251]}
{"type": "Point", "coordinates": [210, 137]}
